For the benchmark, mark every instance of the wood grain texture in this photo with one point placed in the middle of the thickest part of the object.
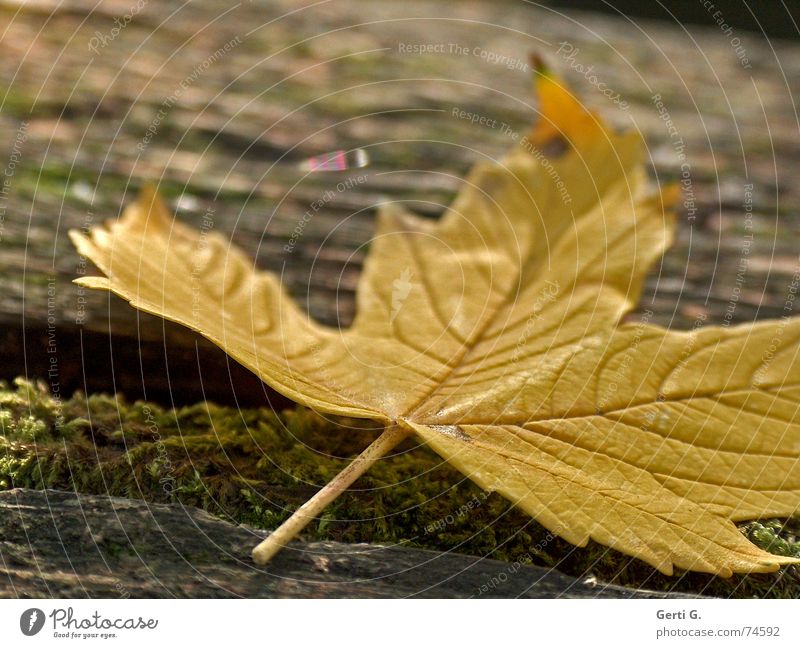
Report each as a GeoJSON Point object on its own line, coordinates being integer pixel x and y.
{"type": "Point", "coordinates": [62, 545]}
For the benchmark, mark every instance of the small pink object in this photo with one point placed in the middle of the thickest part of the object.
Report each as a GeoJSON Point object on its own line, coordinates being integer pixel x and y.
{"type": "Point", "coordinates": [336, 161]}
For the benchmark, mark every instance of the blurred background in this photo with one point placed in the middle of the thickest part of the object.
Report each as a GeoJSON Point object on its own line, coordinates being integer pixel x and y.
{"type": "Point", "coordinates": [773, 19]}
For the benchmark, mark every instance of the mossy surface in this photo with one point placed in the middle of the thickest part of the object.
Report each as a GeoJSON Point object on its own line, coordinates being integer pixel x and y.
{"type": "Point", "coordinates": [256, 467]}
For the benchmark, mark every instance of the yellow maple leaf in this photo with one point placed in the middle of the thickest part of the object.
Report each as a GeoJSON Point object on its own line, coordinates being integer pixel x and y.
{"type": "Point", "coordinates": [496, 336]}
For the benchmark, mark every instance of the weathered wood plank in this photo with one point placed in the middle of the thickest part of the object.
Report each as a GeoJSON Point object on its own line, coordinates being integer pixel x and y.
{"type": "Point", "coordinates": [62, 545]}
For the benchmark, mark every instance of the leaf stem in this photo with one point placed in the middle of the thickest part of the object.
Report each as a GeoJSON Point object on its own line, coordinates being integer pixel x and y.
{"type": "Point", "coordinates": [278, 539]}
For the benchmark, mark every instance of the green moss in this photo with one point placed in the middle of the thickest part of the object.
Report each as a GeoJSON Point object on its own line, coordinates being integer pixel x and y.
{"type": "Point", "coordinates": [256, 467]}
